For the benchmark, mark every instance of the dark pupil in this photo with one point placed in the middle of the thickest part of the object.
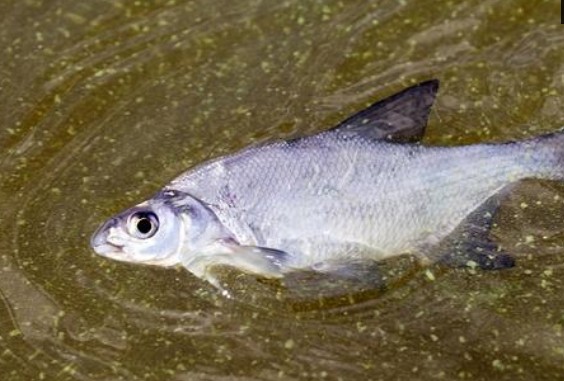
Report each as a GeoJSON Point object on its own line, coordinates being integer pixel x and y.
{"type": "Point", "coordinates": [144, 225]}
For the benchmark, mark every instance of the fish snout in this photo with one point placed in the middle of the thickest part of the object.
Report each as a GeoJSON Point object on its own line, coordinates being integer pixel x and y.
{"type": "Point", "coordinates": [99, 240]}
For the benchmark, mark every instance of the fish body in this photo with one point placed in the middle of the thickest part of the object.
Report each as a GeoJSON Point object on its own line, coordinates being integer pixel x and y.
{"type": "Point", "coordinates": [318, 196]}
{"type": "Point", "coordinates": [366, 189]}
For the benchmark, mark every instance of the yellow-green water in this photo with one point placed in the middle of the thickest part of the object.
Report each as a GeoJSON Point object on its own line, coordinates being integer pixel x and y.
{"type": "Point", "coordinates": [102, 102]}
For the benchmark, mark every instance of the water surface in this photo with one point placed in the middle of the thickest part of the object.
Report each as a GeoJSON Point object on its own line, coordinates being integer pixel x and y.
{"type": "Point", "coordinates": [103, 102]}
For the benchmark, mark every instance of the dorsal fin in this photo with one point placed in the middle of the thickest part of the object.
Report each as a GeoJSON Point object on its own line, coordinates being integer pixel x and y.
{"type": "Point", "coordinates": [400, 118]}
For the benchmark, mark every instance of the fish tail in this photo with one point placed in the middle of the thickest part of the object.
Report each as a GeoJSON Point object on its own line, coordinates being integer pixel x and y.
{"type": "Point", "coordinates": [544, 155]}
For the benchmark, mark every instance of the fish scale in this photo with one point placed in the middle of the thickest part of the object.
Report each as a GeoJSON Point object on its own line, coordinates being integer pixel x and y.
{"type": "Point", "coordinates": [369, 193]}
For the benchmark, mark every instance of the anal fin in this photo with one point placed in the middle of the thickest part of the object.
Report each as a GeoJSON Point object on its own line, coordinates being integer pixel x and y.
{"type": "Point", "coordinates": [470, 243]}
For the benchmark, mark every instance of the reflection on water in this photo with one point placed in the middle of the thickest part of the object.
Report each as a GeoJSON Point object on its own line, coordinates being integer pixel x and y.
{"type": "Point", "coordinates": [104, 101]}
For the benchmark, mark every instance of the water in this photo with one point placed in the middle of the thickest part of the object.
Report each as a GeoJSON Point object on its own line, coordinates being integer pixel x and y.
{"type": "Point", "coordinates": [103, 102]}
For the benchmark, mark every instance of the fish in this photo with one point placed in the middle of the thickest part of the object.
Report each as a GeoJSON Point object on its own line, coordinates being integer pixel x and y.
{"type": "Point", "coordinates": [365, 190]}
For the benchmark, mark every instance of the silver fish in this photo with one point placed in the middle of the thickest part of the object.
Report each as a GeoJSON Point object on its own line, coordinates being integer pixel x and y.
{"type": "Point", "coordinates": [366, 189]}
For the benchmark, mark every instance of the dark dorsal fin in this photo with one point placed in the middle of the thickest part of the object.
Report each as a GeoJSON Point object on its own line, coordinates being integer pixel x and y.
{"type": "Point", "coordinates": [401, 117]}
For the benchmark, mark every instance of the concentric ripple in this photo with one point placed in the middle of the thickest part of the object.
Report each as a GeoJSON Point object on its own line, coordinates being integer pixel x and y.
{"type": "Point", "coordinates": [103, 102]}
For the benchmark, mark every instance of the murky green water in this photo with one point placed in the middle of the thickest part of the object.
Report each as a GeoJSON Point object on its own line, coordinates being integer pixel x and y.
{"type": "Point", "coordinates": [103, 102]}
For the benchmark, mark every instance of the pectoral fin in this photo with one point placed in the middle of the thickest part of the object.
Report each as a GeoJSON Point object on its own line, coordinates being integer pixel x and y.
{"type": "Point", "coordinates": [262, 261]}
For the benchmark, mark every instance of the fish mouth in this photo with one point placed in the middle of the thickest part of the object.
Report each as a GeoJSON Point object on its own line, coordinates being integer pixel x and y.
{"type": "Point", "coordinates": [107, 249]}
{"type": "Point", "coordinates": [99, 240]}
{"type": "Point", "coordinates": [111, 251]}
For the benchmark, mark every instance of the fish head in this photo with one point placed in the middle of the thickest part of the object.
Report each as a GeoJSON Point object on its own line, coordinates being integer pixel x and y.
{"type": "Point", "coordinates": [159, 231]}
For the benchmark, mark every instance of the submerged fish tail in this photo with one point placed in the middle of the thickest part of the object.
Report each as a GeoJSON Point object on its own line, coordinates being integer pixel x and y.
{"type": "Point", "coordinates": [544, 155]}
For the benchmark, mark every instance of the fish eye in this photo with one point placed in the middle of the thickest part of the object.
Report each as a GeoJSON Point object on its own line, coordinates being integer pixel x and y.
{"type": "Point", "coordinates": [143, 224]}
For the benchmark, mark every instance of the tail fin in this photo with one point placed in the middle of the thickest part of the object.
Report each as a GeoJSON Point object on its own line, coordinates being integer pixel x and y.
{"type": "Point", "coordinates": [544, 155]}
